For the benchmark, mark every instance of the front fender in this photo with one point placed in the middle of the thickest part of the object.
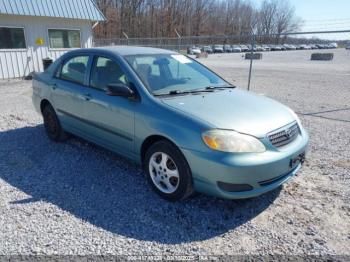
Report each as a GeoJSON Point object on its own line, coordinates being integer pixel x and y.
{"type": "Point", "coordinates": [182, 130]}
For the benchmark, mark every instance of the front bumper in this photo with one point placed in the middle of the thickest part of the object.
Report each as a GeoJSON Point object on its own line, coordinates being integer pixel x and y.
{"type": "Point", "coordinates": [262, 171]}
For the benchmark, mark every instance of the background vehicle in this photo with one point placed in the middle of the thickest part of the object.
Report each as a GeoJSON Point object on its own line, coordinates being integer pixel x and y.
{"type": "Point", "coordinates": [259, 48]}
{"type": "Point", "coordinates": [207, 49]}
{"type": "Point", "coordinates": [218, 48]}
{"type": "Point", "coordinates": [251, 48]}
{"type": "Point", "coordinates": [194, 50]}
{"type": "Point", "coordinates": [303, 47]}
{"type": "Point", "coordinates": [236, 48]}
{"type": "Point", "coordinates": [266, 48]}
{"type": "Point", "coordinates": [227, 48]}
{"type": "Point", "coordinates": [333, 45]}
{"type": "Point", "coordinates": [244, 48]}
{"type": "Point", "coordinates": [275, 48]}
{"type": "Point", "coordinates": [289, 47]}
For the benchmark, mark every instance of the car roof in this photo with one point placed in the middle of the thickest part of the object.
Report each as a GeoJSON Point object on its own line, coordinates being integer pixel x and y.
{"type": "Point", "coordinates": [130, 50]}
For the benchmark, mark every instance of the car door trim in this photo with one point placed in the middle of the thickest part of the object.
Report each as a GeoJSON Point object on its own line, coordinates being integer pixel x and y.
{"type": "Point", "coordinates": [91, 123]}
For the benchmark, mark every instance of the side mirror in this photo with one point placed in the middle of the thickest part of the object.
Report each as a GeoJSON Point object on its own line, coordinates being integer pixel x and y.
{"type": "Point", "coordinates": [120, 90]}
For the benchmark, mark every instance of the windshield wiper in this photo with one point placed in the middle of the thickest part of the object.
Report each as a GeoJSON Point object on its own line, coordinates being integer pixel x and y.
{"type": "Point", "coordinates": [173, 92]}
{"type": "Point", "coordinates": [220, 87]}
{"type": "Point", "coordinates": [206, 89]}
{"type": "Point", "coordinates": [210, 89]}
{"type": "Point", "coordinates": [177, 92]}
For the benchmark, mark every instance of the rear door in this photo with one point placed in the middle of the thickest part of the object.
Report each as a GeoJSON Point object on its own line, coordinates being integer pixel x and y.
{"type": "Point", "coordinates": [69, 92]}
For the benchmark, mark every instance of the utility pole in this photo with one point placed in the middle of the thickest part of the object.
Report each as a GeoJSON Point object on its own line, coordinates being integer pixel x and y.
{"type": "Point", "coordinates": [178, 40]}
{"type": "Point", "coordinates": [251, 56]}
{"type": "Point", "coordinates": [127, 38]}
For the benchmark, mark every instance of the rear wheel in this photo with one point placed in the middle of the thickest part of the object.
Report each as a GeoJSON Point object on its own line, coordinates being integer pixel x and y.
{"type": "Point", "coordinates": [168, 172]}
{"type": "Point", "coordinates": [52, 125]}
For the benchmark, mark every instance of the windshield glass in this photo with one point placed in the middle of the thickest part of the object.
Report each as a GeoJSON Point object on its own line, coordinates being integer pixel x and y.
{"type": "Point", "coordinates": [164, 73]}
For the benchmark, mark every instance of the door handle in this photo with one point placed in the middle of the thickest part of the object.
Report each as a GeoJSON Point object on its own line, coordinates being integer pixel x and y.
{"type": "Point", "coordinates": [87, 97]}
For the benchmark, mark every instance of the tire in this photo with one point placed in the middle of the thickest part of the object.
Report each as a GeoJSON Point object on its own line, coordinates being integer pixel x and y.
{"type": "Point", "coordinates": [162, 161]}
{"type": "Point", "coordinates": [52, 125]}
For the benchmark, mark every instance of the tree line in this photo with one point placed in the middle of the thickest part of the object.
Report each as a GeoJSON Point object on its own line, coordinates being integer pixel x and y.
{"type": "Point", "coordinates": [164, 18]}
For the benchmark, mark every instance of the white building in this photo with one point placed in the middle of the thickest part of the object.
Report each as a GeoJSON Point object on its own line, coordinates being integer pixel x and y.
{"type": "Point", "coordinates": [31, 30]}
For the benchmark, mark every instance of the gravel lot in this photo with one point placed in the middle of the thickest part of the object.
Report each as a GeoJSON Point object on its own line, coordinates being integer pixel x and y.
{"type": "Point", "coordinates": [77, 198]}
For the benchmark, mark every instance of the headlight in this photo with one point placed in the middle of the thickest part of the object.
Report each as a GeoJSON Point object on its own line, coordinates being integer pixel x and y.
{"type": "Point", "coordinates": [231, 141]}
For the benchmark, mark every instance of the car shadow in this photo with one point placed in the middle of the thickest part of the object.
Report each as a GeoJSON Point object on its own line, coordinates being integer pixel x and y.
{"type": "Point", "coordinates": [106, 190]}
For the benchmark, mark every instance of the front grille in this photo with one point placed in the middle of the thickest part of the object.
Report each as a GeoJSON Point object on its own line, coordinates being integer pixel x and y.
{"type": "Point", "coordinates": [284, 136]}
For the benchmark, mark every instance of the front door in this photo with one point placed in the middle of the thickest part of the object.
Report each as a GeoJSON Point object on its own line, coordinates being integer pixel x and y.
{"type": "Point", "coordinates": [111, 117]}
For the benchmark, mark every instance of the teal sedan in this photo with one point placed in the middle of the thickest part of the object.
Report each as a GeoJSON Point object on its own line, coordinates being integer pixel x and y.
{"type": "Point", "coordinates": [189, 129]}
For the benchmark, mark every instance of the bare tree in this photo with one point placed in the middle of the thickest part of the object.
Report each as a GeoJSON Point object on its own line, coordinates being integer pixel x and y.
{"type": "Point", "coordinates": [276, 17]}
{"type": "Point", "coordinates": [160, 18]}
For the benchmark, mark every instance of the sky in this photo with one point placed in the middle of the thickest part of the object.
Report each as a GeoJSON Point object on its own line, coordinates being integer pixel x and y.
{"type": "Point", "coordinates": [323, 15]}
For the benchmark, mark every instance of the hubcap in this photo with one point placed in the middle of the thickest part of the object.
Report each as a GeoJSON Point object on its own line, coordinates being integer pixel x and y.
{"type": "Point", "coordinates": [164, 172]}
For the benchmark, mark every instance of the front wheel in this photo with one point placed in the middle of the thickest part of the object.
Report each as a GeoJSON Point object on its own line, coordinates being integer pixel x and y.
{"type": "Point", "coordinates": [168, 172]}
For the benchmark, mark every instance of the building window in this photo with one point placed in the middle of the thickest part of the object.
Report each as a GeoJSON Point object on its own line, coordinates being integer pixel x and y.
{"type": "Point", "coordinates": [12, 38]}
{"type": "Point", "coordinates": [63, 38]}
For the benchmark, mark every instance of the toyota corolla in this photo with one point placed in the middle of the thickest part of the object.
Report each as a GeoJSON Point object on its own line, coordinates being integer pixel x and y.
{"type": "Point", "coordinates": [189, 128]}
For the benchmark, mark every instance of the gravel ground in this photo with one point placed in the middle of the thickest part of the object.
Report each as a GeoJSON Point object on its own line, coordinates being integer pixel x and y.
{"type": "Point", "coordinates": [78, 199]}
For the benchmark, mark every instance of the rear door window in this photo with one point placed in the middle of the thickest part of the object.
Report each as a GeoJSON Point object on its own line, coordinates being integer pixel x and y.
{"type": "Point", "coordinates": [74, 69]}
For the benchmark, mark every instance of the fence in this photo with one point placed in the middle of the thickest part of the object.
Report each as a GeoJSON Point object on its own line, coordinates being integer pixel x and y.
{"type": "Point", "coordinates": [175, 43]}
{"type": "Point", "coordinates": [181, 44]}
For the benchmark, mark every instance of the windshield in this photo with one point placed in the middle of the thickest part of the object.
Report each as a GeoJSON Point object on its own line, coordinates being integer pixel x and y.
{"type": "Point", "coordinates": [165, 73]}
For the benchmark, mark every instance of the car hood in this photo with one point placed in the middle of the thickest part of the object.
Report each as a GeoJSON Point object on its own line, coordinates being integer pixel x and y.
{"type": "Point", "coordinates": [234, 109]}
